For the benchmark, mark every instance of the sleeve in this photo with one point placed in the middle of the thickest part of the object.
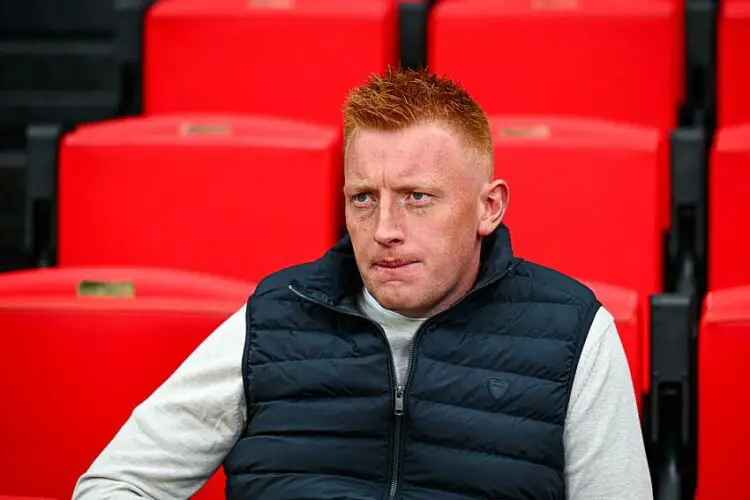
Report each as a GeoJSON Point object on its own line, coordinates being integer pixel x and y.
{"type": "Point", "coordinates": [604, 450]}
{"type": "Point", "coordinates": [176, 439]}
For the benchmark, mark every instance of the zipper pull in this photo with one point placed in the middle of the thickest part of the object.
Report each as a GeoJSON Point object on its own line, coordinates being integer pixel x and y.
{"type": "Point", "coordinates": [399, 406]}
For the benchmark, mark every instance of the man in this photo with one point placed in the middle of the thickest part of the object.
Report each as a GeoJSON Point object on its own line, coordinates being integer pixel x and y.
{"type": "Point", "coordinates": [418, 359]}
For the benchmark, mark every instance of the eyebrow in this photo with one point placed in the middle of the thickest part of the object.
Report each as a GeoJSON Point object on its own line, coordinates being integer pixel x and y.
{"type": "Point", "coordinates": [406, 185]}
{"type": "Point", "coordinates": [415, 183]}
{"type": "Point", "coordinates": [358, 186]}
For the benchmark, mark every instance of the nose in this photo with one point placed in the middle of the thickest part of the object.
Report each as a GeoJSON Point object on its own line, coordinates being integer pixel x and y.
{"type": "Point", "coordinates": [389, 228]}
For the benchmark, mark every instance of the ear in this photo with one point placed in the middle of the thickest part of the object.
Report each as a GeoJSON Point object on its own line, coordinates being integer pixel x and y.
{"type": "Point", "coordinates": [494, 201]}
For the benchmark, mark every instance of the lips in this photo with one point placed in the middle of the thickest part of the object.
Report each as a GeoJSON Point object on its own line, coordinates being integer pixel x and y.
{"type": "Point", "coordinates": [393, 264]}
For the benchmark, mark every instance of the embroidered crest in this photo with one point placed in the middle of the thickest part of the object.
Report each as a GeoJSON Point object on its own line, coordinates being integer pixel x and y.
{"type": "Point", "coordinates": [498, 387]}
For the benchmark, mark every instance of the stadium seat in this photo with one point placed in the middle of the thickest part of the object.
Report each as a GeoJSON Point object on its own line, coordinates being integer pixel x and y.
{"type": "Point", "coordinates": [80, 349]}
{"type": "Point", "coordinates": [733, 71]}
{"type": "Point", "coordinates": [587, 197]}
{"type": "Point", "coordinates": [724, 405]}
{"type": "Point", "coordinates": [608, 59]}
{"type": "Point", "coordinates": [625, 307]}
{"type": "Point", "coordinates": [277, 57]}
{"type": "Point", "coordinates": [729, 212]}
{"type": "Point", "coordinates": [232, 196]}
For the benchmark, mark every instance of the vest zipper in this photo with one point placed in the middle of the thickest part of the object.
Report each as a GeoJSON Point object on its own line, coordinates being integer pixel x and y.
{"type": "Point", "coordinates": [396, 389]}
{"type": "Point", "coordinates": [400, 392]}
{"type": "Point", "coordinates": [398, 410]}
{"type": "Point", "coordinates": [404, 388]}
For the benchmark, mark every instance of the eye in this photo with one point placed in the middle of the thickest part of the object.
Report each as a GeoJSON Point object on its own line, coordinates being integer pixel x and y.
{"type": "Point", "coordinates": [361, 199]}
{"type": "Point", "coordinates": [419, 198]}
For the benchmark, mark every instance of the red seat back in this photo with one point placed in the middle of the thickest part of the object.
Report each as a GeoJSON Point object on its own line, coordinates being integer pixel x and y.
{"type": "Point", "coordinates": [733, 70]}
{"type": "Point", "coordinates": [587, 197]}
{"type": "Point", "coordinates": [81, 348]}
{"type": "Point", "coordinates": [724, 406]}
{"type": "Point", "coordinates": [608, 59]}
{"type": "Point", "coordinates": [231, 196]}
{"type": "Point", "coordinates": [295, 59]}
{"type": "Point", "coordinates": [625, 307]}
{"type": "Point", "coordinates": [729, 212]}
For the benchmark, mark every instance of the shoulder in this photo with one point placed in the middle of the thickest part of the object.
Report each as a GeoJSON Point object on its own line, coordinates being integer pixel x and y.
{"type": "Point", "coordinates": [278, 282]}
{"type": "Point", "coordinates": [554, 286]}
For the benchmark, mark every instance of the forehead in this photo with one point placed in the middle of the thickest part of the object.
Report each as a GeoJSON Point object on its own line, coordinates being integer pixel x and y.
{"type": "Point", "coordinates": [425, 150]}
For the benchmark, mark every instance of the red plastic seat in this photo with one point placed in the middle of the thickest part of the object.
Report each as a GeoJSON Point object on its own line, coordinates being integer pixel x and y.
{"type": "Point", "coordinates": [729, 212]}
{"type": "Point", "coordinates": [588, 198]}
{"type": "Point", "coordinates": [724, 405]}
{"type": "Point", "coordinates": [286, 58]}
{"type": "Point", "coordinates": [625, 307]}
{"type": "Point", "coordinates": [232, 196]}
{"type": "Point", "coordinates": [80, 349]}
{"type": "Point", "coordinates": [608, 59]}
{"type": "Point", "coordinates": [733, 70]}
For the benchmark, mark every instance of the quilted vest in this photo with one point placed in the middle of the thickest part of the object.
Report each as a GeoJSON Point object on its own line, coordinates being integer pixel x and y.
{"type": "Point", "coordinates": [481, 413]}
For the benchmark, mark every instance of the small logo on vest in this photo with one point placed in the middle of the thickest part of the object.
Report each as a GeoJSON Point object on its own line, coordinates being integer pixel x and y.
{"type": "Point", "coordinates": [498, 387]}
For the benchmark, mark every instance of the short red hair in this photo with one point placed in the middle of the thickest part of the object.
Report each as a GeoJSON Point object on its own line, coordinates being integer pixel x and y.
{"type": "Point", "coordinates": [400, 98]}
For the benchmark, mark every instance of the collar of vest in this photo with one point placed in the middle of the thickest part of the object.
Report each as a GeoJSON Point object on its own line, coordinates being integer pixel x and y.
{"type": "Point", "coordinates": [334, 279]}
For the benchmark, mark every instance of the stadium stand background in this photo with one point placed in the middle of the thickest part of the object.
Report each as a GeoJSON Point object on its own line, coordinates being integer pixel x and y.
{"type": "Point", "coordinates": [146, 151]}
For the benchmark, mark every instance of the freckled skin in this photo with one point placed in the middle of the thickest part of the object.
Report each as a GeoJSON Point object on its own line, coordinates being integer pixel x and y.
{"type": "Point", "coordinates": [418, 202]}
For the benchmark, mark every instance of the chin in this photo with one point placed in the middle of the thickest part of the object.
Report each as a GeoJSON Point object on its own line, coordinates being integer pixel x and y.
{"type": "Point", "coordinates": [398, 298]}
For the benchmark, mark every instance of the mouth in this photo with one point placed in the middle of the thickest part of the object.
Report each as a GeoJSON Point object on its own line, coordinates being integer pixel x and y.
{"type": "Point", "coordinates": [393, 263]}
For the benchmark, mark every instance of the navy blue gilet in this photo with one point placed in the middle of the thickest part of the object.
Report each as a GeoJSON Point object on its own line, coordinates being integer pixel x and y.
{"type": "Point", "coordinates": [482, 411]}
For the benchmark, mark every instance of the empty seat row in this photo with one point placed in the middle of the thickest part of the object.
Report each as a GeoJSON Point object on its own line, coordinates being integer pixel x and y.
{"type": "Point", "coordinates": [606, 60]}
{"type": "Point", "coordinates": [243, 196]}
{"type": "Point", "coordinates": [72, 336]}
{"type": "Point", "coordinates": [615, 60]}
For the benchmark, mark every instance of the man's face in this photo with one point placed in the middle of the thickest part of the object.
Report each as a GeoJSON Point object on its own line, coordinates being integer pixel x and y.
{"type": "Point", "coordinates": [414, 211]}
